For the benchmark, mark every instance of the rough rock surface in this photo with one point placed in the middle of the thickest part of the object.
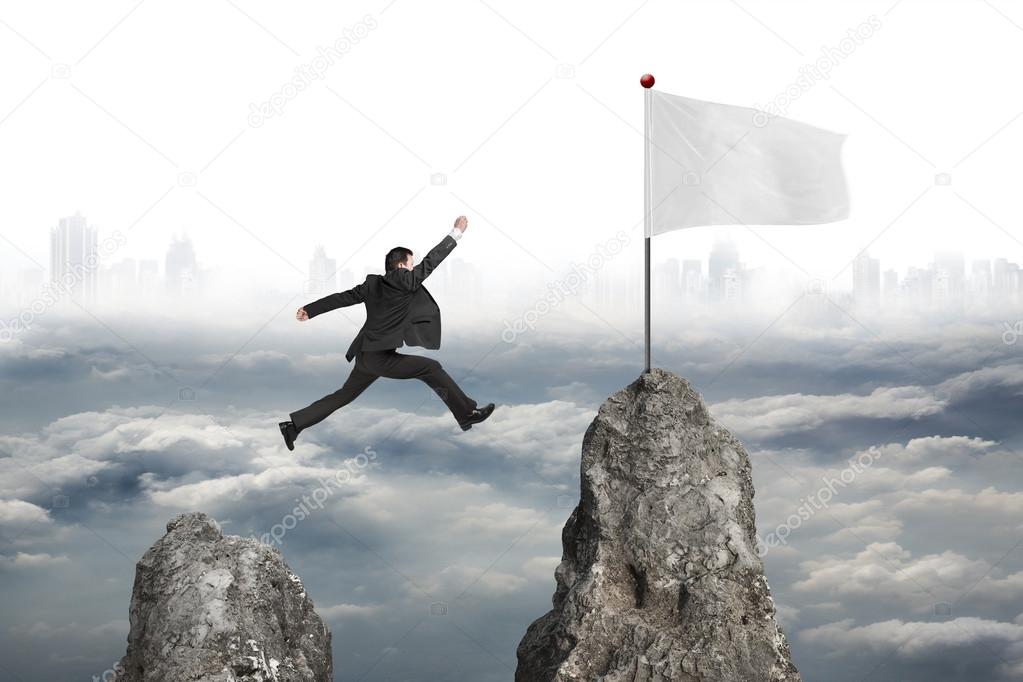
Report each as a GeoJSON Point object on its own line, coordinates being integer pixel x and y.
{"type": "Point", "coordinates": [660, 579]}
{"type": "Point", "coordinates": [216, 608]}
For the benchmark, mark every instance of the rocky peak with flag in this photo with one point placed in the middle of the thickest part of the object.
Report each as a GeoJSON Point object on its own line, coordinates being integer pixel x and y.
{"type": "Point", "coordinates": [660, 578]}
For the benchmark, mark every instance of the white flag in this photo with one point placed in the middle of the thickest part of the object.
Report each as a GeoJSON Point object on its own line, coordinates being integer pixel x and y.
{"type": "Point", "coordinates": [718, 164]}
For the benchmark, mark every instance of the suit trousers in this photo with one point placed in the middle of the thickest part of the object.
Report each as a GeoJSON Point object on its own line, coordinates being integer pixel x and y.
{"type": "Point", "coordinates": [369, 365]}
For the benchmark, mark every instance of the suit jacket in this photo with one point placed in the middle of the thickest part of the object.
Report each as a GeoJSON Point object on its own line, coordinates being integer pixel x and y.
{"type": "Point", "coordinates": [399, 309]}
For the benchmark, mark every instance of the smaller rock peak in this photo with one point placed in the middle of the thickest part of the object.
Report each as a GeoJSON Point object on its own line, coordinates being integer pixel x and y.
{"type": "Point", "coordinates": [209, 607]}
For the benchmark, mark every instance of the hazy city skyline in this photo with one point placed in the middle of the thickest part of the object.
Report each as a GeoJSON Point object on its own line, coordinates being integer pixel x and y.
{"type": "Point", "coordinates": [721, 276]}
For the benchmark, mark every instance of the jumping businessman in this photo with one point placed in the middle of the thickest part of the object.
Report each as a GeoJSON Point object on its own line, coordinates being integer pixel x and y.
{"type": "Point", "coordinates": [399, 311]}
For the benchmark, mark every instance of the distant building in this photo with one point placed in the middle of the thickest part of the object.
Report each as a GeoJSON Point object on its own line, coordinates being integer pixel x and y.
{"type": "Point", "coordinates": [1001, 278]}
{"type": "Point", "coordinates": [344, 280]}
{"type": "Point", "coordinates": [866, 280]}
{"type": "Point", "coordinates": [74, 258]}
{"type": "Point", "coordinates": [322, 273]}
{"type": "Point", "coordinates": [1013, 281]}
{"type": "Point", "coordinates": [123, 279]}
{"type": "Point", "coordinates": [731, 285]}
{"type": "Point", "coordinates": [666, 282]}
{"type": "Point", "coordinates": [461, 279]}
{"type": "Point", "coordinates": [724, 271]}
{"type": "Point", "coordinates": [949, 276]}
{"type": "Point", "coordinates": [980, 279]}
{"type": "Point", "coordinates": [692, 278]}
{"type": "Point", "coordinates": [632, 294]}
{"type": "Point", "coordinates": [148, 277]}
{"type": "Point", "coordinates": [757, 282]}
{"type": "Point", "coordinates": [917, 285]}
{"type": "Point", "coordinates": [180, 269]}
{"type": "Point", "coordinates": [890, 284]}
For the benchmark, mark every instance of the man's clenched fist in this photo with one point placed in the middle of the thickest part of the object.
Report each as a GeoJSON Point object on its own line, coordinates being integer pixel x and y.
{"type": "Point", "coordinates": [461, 222]}
{"type": "Point", "coordinates": [301, 315]}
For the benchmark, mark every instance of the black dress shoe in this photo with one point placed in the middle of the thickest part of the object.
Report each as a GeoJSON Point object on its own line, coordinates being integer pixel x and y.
{"type": "Point", "coordinates": [476, 416]}
{"type": "Point", "coordinates": [290, 433]}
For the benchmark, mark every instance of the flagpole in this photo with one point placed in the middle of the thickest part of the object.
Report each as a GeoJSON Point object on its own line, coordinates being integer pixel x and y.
{"type": "Point", "coordinates": [647, 81]}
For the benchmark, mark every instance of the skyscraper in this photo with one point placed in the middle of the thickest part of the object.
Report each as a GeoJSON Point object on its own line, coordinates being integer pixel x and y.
{"type": "Point", "coordinates": [731, 285]}
{"type": "Point", "coordinates": [890, 283]}
{"type": "Point", "coordinates": [949, 276]}
{"type": "Point", "coordinates": [322, 273]}
{"type": "Point", "coordinates": [461, 277]}
{"type": "Point", "coordinates": [74, 258]}
{"type": "Point", "coordinates": [866, 280]}
{"type": "Point", "coordinates": [180, 267]}
{"type": "Point", "coordinates": [980, 279]}
{"type": "Point", "coordinates": [602, 293]}
{"type": "Point", "coordinates": [344, 280]}
{"type": "Point", "coordinates": [124, 278]}
{"type": "Point", "coordinates": [692, 274]}
{"type": "Point", "coordinates": [149, 276]}
{"type": "Point", "coordinates": [918, 285]}
{"type": "Point", "coordinates": [724, 271]}
{"type": "Point", "coordinates": [667, 283]}
{"type": "Point", "coordinates": [1013, 281]}
{"type": "Point", "coordinates": [1000, 278]}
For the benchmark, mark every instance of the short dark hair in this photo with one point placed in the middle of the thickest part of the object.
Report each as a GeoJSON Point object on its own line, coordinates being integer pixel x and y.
{"type": "Point", "coordinates": [399, 254]}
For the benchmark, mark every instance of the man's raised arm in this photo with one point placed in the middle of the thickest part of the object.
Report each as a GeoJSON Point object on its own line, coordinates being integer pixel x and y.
{"type": "Point", "coordinates": [330, 302]}
{"type": "Point", "coordinates": [411, 279]}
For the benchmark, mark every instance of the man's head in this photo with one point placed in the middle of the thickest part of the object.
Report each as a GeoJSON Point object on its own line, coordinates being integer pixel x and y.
{"type": "Point", "coordinates": [398, 257]}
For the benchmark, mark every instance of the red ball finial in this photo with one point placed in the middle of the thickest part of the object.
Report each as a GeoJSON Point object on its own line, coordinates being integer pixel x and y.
{"type": "Point", "coordinates": [647, 81]}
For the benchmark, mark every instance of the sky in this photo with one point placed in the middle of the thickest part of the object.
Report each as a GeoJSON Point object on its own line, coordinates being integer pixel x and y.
{"type": "Point", "coordinates": [116, 417]}
{"type": "Point", "coordinates": [532, 114]}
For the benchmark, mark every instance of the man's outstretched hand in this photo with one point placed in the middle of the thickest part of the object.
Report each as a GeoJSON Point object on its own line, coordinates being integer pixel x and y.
{"type": "Point", "coordinates": [301, 315]}
{"type": "Point", "coordinates": [461, 222]}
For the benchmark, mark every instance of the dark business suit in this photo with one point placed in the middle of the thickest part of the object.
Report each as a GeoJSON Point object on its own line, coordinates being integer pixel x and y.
{"type": "Point", "coordinates": [399, 310]}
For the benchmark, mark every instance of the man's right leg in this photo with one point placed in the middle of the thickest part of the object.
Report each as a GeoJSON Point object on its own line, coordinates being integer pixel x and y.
{"type": "Point", "coordinates": [357, 382]}
{"type": "Point", "coordinates": [394, 365]}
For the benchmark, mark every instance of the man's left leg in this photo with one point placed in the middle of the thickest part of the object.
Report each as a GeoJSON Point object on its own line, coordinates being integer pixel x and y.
{"type": "Point", "coordinates": [358, 381]}
{"type": "Point", "coordinates": [395, 365]}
